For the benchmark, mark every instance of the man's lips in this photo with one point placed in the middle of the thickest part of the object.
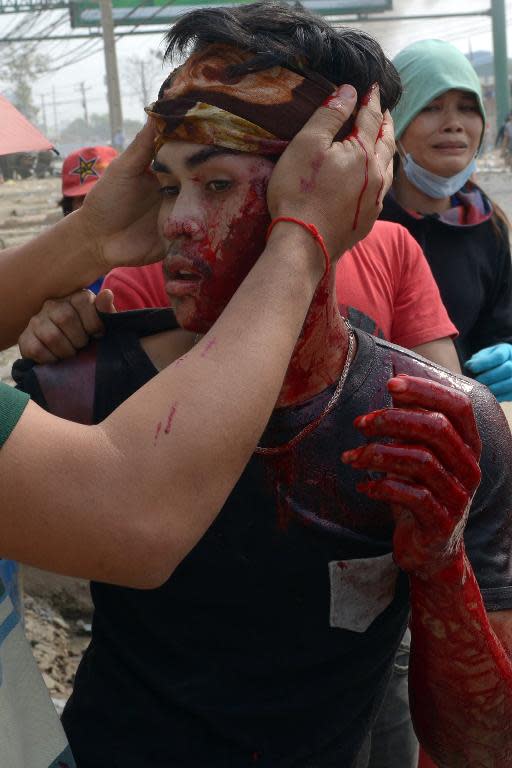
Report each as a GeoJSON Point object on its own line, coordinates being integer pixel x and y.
{"type": "Point", "coordinates": [183, 276]}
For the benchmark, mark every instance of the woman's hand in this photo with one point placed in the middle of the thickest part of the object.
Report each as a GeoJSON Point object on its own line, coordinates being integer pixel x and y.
{"type": "Point", "coordinates": [492, 366]}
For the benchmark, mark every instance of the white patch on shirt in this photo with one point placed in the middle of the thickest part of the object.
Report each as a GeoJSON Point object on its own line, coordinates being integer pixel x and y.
{"type": "Point", "coordinates": [361, 590]}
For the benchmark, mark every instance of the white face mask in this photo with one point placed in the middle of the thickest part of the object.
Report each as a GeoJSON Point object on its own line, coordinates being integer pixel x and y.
{"type": "Point", "coordinates": [431, 184]}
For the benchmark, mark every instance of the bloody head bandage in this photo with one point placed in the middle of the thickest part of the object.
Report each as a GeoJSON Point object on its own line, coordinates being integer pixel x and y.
{"type": "Point", "coordinates": [259, 112]}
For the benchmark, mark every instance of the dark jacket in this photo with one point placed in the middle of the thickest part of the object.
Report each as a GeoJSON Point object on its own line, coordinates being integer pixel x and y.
{"type": "Point", "coordinates": [471, 264]}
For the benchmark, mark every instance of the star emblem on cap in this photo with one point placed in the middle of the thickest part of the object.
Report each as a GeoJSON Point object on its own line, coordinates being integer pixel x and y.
{"type": "Point", "coordinates": [85, 169]}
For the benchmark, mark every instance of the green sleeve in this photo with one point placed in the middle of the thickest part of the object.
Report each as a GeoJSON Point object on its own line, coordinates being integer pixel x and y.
{"type": "Point", "coordinates": [12, 405]}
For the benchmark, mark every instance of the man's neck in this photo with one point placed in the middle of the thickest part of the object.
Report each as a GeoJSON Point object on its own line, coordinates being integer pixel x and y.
{"type": "Point", "coordinates": [321, 350]}
{"type": "Point", "coordinates": [317, 360]}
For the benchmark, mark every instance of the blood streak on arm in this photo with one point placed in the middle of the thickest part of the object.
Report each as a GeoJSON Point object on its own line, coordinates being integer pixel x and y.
{"type": "Point", "coordinates": [209, 346]}
{"type": "Point", "coordinates": [170, 418]}
{"type": "Point", "coordinates": [458, 658]}
{"type": "Point", "coordinates": [168, 424]}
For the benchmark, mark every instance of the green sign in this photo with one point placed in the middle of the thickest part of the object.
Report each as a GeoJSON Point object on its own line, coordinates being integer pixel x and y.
{"type": "Point", "coordinates": [130, 12]}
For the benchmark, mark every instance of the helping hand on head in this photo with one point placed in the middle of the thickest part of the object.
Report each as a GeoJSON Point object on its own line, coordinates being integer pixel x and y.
{"type": "Point", "coordinates": [492, 366]}
{"type": "Point", "coordinates": [120, 213]}
{"type": "Point", "coordinates": [430, 470]}
{"type": "Point", "coordinates": [317, 179]}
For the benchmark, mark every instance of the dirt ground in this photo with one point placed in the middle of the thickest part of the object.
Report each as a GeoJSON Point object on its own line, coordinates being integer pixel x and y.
{"type": "Point", "coordinates": [57, 609]}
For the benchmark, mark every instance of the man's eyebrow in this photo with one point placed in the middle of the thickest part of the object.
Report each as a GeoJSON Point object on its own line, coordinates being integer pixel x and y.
{"type": "Point", "coordinates": [159, 167]}
{"type": "Point", "coordinates": [196, 159]}
{"type": "Point", "coordinates": [205, 154]}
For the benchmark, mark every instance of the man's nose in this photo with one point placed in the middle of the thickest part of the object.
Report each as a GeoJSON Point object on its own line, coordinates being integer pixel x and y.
{"type": "Point", "coordinates": [184, 220]}
{"type": "Point", "coordinates": [182, 226]}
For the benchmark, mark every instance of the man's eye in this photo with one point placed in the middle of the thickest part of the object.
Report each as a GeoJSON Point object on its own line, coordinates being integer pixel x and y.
{"type": "Point", "coordinates": [218, 185]}
{"type": "Point", "coordinates": [430, 108]}
{"type": "Point", "coordinates": [169, 191]}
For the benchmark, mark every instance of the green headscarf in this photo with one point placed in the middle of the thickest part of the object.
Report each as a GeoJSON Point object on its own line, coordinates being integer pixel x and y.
{"type": "Point", "coordinates": [427, 69]}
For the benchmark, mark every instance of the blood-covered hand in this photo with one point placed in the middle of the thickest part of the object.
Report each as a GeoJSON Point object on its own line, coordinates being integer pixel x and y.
{"type": "Point", "coordinates": [429, 469]}
{"type": "Point", "coordinates": [336, 185]}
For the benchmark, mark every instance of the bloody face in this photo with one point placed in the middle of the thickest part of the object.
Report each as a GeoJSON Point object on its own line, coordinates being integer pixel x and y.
{"type": "Point", "coordinates": [213, 219]}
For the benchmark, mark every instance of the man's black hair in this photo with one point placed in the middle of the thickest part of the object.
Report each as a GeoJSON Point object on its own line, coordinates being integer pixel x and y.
{"type": "Point", "coordinates": [280, 34]}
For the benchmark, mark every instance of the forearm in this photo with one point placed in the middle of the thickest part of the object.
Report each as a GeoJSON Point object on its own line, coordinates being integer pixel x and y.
{"type": "Point", "coordinates": [127, 500]}
{"type": "Point", "coordinates": [60, 260]}
{"type": "Point", "coordinates": [441, 351]}
{"type": "Point", "coordinates": [460, 673]}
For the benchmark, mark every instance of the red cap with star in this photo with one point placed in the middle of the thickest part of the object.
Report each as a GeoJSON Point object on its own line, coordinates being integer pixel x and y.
{"type": "Point", "coordinates": [82, 169]}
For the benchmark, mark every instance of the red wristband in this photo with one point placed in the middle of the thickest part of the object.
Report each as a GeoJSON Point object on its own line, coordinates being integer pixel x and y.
{"type": "Point", "coordinates": [313, 231]}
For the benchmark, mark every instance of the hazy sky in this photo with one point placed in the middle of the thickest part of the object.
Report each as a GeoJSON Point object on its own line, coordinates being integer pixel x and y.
{"type": "Point", "coordinates": [467, 33]}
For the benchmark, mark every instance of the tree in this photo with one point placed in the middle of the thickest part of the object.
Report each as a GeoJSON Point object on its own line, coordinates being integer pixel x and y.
{"type": "Point", "coordinates": [95, 131]}
{"type": "Point", "coordinates": [19, 70]}
{"type": "Point", "coordinates": [143, 76]}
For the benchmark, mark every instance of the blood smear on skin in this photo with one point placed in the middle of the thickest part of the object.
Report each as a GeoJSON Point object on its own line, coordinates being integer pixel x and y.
{"type": "Point", "coordinates": [365, 184]}
{"type": "Point", "coordinates": [210, 344]}
{"type": "Point", "coordinates": [170, 417]}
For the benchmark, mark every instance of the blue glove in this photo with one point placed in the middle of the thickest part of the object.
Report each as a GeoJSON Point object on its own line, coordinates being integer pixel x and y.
{"type": "Point", "coordinates": [492, 366]}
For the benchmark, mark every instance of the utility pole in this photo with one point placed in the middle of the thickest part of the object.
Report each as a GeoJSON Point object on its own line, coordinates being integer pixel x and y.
{"type": "Point", "coordinates": [55, 119]}
{"type": "Point", "coordinates": [143, 82]}
{"type": "Point", "coordinates": [499, 39]}
{"type": "Point", "coordinates": [113, 91]}
{"type": "Point", "coordinates": [43, 109]}
{"type": "Point", "coordinates": [83, 90]}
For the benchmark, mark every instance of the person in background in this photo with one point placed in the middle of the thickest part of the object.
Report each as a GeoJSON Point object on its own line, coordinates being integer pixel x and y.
{"type": "Point", "coordinates": [439, 127]}
{"type": "Point", "coordinates": [80, 172]}
{"type": "Point", "coordinates": [504, 139]}
{"type": "Point", "coordinates": [439, 124]}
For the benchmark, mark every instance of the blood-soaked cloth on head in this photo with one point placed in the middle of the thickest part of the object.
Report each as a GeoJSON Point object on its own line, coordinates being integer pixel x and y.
{"type": "Point", "coordinates": [207, 101]}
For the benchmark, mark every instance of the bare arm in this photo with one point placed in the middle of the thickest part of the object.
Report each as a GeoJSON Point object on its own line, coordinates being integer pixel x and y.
{"type": "Point", "coordinates": [127, 500]}
{"type": "Point", "coordinates": [87, 243]}
{"type": "Point", "coordinates": [461, 671]}
{"type": "Point", "coordinates": [442, 352]}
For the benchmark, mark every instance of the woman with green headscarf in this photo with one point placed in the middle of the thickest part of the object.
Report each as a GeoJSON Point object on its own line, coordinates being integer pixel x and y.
{"type": "Point", "coordinates": [439, 127]}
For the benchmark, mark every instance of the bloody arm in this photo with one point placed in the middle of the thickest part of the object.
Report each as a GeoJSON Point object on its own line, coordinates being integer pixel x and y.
{"type": "Point", "coordinates": [461, 674]}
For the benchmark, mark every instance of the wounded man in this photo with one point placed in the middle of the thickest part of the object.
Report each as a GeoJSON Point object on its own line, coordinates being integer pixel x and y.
{"type": "Point", "coordinates": [380, 492]}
